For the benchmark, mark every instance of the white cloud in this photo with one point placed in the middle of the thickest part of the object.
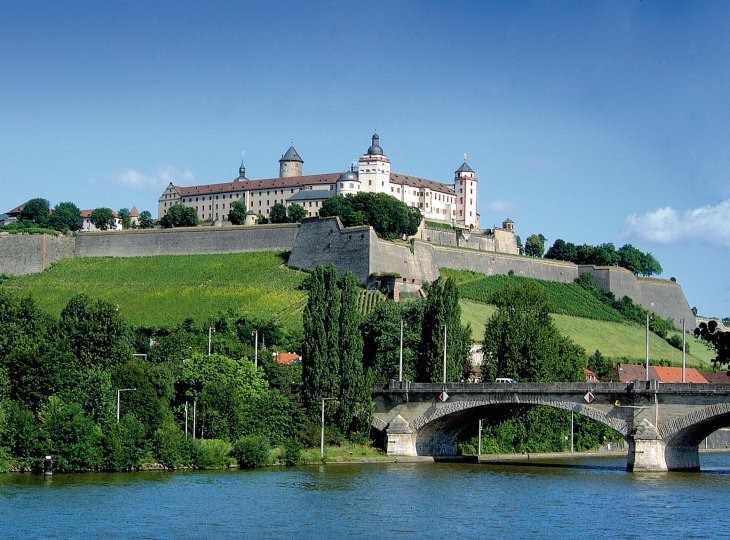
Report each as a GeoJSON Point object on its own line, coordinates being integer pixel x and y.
{"type": "Point", "coordinates": [707, 224]}
{"type": "Point", "coordinates": [164, 175]}
{"type": "Point", "coordinates": [503, 207]}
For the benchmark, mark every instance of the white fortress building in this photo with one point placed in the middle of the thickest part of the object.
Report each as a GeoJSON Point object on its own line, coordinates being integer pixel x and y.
{"type": "Point", "coordinates": [454, 203]}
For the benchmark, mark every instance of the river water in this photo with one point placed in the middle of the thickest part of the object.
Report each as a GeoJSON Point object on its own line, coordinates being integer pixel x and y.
{"type": "Point", "coordinates": [592, 498]}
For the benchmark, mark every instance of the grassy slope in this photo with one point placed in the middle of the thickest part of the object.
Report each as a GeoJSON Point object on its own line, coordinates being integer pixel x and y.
{"type": "Point", "coordinates": [614, 340]}
{"type": "Point", "coordinates": [165, 290]}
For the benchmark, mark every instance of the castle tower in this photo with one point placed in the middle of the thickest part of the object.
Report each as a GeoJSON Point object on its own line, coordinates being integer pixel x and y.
{"type": "Point", "coordinates": [348, 183]}
{"type": "Point", "coordinates": [465, 185]}
{"type": "Point", "coordinates": [374, 169]}
{"type": "Point", "coordinates": [508, 225]}
{"type": "Point", "coordinates": [290, 164]}
{"type": "Point", "coordinates": [241, 172]}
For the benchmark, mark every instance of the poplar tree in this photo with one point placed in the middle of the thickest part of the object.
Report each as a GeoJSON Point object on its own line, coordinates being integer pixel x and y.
{"type": "Point", "coordinates": [354, 409]}
{"type": "Point", "coordinates": [320, 362]}
{"type": "Point", "coordinates": [442, 310]}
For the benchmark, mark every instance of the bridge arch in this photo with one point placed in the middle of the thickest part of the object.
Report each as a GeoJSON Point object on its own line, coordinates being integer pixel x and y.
{"type": "Point", "coordinates": [438, 429]}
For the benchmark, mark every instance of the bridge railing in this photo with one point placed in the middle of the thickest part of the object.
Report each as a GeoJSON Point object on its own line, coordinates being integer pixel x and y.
{"type": "Point", "coordinates": [638, 386]}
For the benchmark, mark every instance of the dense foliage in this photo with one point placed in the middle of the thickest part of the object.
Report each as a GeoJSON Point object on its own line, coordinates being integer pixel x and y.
{"type": "Point", "coordinates": [179, 215]}
{"type": "Point", "coordinates": [102, 219]}
{"type": "Point", "coordinates": [627, 256]}
{"type": "Point", "coordinates": [388, 216]}
{"type": "Point", "coordinates": [719, 340]}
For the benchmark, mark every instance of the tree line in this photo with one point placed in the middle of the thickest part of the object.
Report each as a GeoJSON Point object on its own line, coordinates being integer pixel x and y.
{"type": "Point", "coordinates": [627, 256]}
{"type": "Point", "coordinates": [66, 217]}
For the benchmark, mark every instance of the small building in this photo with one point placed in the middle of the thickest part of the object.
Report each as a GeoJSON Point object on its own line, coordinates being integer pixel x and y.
{"type": "Point", "coordinates": [663, 374]}
{"type": "Point", "coordinates": [590, 375]}
{"type": "Point", "coordinates": [87, 225]}
{"type": "Point", "coordinates": [287, 358]}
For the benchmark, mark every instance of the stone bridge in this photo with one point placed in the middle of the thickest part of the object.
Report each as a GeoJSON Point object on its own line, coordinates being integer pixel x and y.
{"type": "Point", "coordinates": [663, 424]}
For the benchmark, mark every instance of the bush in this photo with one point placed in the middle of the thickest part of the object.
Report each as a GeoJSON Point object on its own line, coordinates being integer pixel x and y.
{"type": "Point", "coordinates": [252, 452]}
{"type": "Point", "coordinates": [292, 454]}
{"type": "Point", "coordinates": [169, 446]}
{"type": "Point", "coordinates": [676, 342]}
{"type": "Point", "coordinates": [125, 444]}
{"type": "Point", "coordinates": [210, 454]}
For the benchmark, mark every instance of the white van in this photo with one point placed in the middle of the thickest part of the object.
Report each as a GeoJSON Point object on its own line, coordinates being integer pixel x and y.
{"type": "Point", "coordinates": [504, 380]}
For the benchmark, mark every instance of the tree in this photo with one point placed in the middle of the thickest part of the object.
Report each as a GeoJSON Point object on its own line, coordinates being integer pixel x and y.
{"type": "Point", "coordinates": [521, 341]}
{"type": "Point", "coordinates": [650, 266]}
{"type": "Point", "coordinates": [389, 217]}
{"type": "Point", "coordinates": [145, 220]}
{"type": "Point", "coordinates": [126, 215]}
{"type": "Point", "coordinates": [534, 246]}
{"type": "Point", "coordinates": [320, 362]}
{"type": "Point", "coordinates": [95, 332]}
{"type": "Point", "coordinates": [381, 334]}
{"type": "Point", "coordinates": [442, 309]}
{"type": "Point", "coordinates": [296, 213]}
{"type": "Point", "coordinates": [354, 411]}
{"type": "Point", "coordinates": [237, 213]}
{"type": "Point", "coordinates": [599, 365]}
{"type": "Point", "coordinates": [605, 255]}
{"type": "Point", "coordinates": [720, 341]}
{"type": "Point", "coordinates": [520, 247]}
{"type": "Point", "coordinates": [35, 211]}
{"type": "Point", "coordinates": [562, 251]}
{"type": "Point", "coordinates": [630, 258]}
{"type": "Point", "coordinates": [180, 215]}
{"type": "Point", "coordinates": [278, 213]}
{"type": "Point", "coordinates": [102, 219]}
{"type": "Point", "coordinates": [66, 216]}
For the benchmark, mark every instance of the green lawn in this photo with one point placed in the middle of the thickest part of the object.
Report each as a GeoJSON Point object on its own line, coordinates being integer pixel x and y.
{"type": "Point", "coordinates": [165, 290]}
{"type": "Point", "coordinates": [615, 340]}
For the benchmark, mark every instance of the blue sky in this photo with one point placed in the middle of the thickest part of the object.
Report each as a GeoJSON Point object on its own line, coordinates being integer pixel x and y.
{"type": "Point", "coordinates": [587, 121]}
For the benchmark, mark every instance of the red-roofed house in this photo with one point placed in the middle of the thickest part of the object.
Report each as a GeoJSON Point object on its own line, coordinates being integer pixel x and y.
{"type": "Point", "coordinates": [87, 225]}
{"type": "Point", "coordinates": [716, 377]}
{"type": "Point", "coordinates": [632, 372]}
{"type": "Point", "coordinates": [590, 376]}
{"type": "Point", "coordinates": [287, 358]}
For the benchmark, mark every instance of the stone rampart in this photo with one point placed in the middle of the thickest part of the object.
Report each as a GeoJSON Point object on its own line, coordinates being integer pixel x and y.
{"type": "Point", "coordinates": [186, 241]}
{"type": "Point", "coordinates": [29, 253]}
{"type": "Point", "coordinates": [326, 241]}
{"type": "Point", "coordinates": [499, 240]}
{"type": "Point", "coordinates": [669, 300]}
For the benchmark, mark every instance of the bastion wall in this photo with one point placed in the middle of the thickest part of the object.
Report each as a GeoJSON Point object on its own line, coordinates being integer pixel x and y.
{"type": "Point", "coordinates": [30, 253]}
{"type": "Point", "coordinates": [326, 241]}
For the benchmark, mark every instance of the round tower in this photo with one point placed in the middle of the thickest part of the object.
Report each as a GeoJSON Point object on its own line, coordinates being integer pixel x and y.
{"type": "Point", "coordinates": [374, 169]}
{"type": "Point", "coordinates": [465, 185]}
{"type": "Point", "coordinates": [290, 164]}
{"type": "Point", "coordinates": [348, 183]}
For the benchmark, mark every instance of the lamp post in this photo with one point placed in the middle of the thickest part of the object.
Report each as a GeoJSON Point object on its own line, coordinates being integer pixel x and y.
{"type": "Point", "coordinates": [210, 336]}
{"type": "Point", "coordinates": [445, 334]}
{"type": "Point", "coordinates": [255, 333]}
{"type": "Point", "coordinates": [684, 353]}
{"type": "Point", "coordinates": [647, 341]}
{"type": "Point", "coordinates": [321, 440]}
{"type": "Point", "coordinates": [400, 371]}
{"type": "Point", "coordinates": [119, 391]}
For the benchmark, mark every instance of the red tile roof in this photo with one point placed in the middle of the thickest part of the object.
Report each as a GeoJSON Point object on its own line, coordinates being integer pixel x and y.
{"type": "Point", "coordinates": [716, 376]}
{"type": "Point", "coordinates": [287, 358]}
{"type": "Point", "coordinates": [631, 372]}
{"type": "Point", "coordinates": [85, 214]}
{"type": "Point", "coordinates": [674, 375]}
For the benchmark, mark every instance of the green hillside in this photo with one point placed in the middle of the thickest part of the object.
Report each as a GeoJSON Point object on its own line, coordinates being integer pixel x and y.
{"type": "Point", "coordinates": [618, 341]}
{"type": "Point", "coordinates": [166, 290]}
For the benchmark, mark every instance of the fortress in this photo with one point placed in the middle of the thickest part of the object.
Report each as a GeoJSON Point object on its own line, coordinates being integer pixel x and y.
{"type": "Point", "coordinates": [358, 249]}
{"type": "Point", "coordinates": [453, 204]}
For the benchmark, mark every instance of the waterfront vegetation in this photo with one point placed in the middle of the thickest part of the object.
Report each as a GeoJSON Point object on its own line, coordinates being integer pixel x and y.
{"type": "Point", "coordinates": [146, 324]}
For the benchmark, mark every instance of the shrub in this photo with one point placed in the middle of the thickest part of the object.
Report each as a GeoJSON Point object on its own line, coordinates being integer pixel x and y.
{"type": "Point", "coordinates": [292, 454]}
{"type": "Point", "coordinates": [169, 446]}
{"type": "Point", "coordinates": [467, 449]}
{"type": "Point", "coordinates": [252, 451]}
{"type": "Point", "coordinates": [210, 454]}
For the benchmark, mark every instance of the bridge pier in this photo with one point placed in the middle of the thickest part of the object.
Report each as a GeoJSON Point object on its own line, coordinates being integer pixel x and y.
{"type": "Point", "coordinates": [401, 438]}
{"type": "Point", "coordinates": [648, 452]}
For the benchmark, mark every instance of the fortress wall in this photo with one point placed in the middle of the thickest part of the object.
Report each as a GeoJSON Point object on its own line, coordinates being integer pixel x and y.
{"type": "Point", "coordinates": [29, 253]}
{"type": "Point", "coordinates": [501, 264]}
{"type": "Point", "coordinates": [669, 301]}
{"type": "Point", "coordinates": [326, 241]}
{"type": "Point", "coordinates": [501, 240]}
{"type": "Point", "coordinates": [388, 257]}
{"type": "Point", "coordinates": [619, 281]}
{"type": "Point", "coordinates": [186, 241]}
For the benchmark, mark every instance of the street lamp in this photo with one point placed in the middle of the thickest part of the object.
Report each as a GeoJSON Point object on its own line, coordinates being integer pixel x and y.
{"type": "Point", "coordinates": [445, 354]}
{"type": "Point", "coordinates": [647, 341]}
{"type": "Point", "coordinates": [321, 441]}
{"type": "Point", "coordinates": [400, 372]}
{"type": "Point", "coordinates": [255, 333]}
{"type": "Point", "coordinates": [684, 353]}
{"type": "Point", "coordinates": [210, 335]}
{"type": "Point", "coordinates": [119, 391]}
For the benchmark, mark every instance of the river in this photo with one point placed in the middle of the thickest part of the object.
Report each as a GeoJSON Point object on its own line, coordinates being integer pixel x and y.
{"type": "Point", "coordinates": [593, 498]}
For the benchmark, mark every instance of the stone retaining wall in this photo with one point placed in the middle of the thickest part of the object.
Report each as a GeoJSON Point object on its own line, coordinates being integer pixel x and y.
{"type": "Point", "coordinates": [29, 253]}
